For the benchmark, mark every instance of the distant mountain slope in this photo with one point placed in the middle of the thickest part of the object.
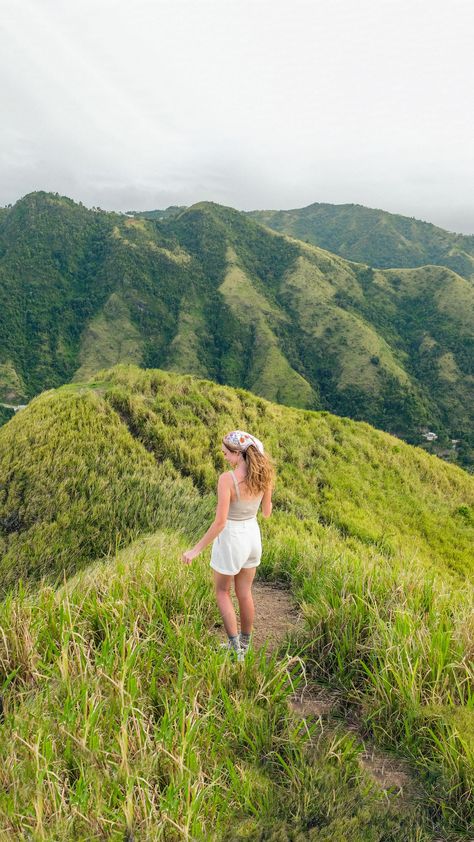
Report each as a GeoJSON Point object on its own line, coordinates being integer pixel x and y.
{"type": "Point", "coordinates": [373, 236]}
{"type": "Point", "coordinates": [165, 213]}
{"type": "Point", "coordinates": [210, 292]}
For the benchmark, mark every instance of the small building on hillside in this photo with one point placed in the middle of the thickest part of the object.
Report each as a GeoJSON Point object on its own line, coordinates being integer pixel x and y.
{"type": "Point", "coordinates": [430, 436]}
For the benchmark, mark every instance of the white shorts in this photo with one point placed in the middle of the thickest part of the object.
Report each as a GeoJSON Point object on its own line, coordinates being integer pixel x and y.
{"type": "Point", "coordinates": [238, 545]}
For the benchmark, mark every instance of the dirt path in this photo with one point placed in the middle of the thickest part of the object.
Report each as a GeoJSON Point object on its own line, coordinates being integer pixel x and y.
{"type": "Point", "coordinates": [275, 616]}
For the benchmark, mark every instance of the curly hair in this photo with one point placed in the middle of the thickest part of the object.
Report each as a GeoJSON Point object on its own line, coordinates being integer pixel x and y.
{"type": "Point", "coordinates": [260, 468]}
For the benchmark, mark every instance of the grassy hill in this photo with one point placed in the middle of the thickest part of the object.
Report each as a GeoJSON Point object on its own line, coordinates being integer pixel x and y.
{"type": "Point", "coordinates": [373, 537]}
{"type": "Point", "coordinates": [210, 292]}
{"type": "Point", "coordinates": [374, 236]}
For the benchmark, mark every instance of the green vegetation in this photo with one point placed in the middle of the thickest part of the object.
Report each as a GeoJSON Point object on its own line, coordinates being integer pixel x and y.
{"type": "Point", "coordinates": [12, 388]}
{"type": "Point", "coordinates": [373, 537]}
{"type": "Point", "coordinates": [75, 483]}
{"type": "Point", "coordinates": [121, 713]}
{"type": "Point", "coordinates": [208, 291]}
{"type": "Point", "coordinates": [374, 236]}
{"type": "Point", "coordinates": [165, 213]}
{"type": "Point", "coordinates": [5, 414]}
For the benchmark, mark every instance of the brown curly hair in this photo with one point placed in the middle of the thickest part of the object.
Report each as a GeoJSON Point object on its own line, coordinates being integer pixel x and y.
{"type": "Point", "coordinates": [260, 468]}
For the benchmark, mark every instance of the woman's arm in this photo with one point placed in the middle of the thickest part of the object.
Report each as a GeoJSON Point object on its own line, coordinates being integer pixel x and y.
{"type": "Point", "coordinates": [222, 510]}
{"type": "Point", "coordinates": [267, 502]}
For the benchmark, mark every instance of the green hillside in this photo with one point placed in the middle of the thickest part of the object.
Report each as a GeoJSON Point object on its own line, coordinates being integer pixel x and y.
{"type": "Point", "coordinates": [373, 236]}
{"type": "Point", "coordinates": [210, 292]}
{"type": "Point", "coordinates": [122, 720]}
{"type": "Point", "coordinates": [86, 437]}
{"type": "Point", "coordinates": [118, 709]}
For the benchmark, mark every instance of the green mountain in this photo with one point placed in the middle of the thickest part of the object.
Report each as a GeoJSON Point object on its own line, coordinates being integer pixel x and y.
{"type": "Point", "coordinates": [376, 237]}
{"type": "Point", "coordinates": [210, 292]}
{"type": "Point", "coordinates": [118, 712]}
{"type": "Point", "coordinates": [164, 213]}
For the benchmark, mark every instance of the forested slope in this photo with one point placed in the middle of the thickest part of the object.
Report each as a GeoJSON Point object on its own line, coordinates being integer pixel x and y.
{"type": "Point", "coordinates": [210, 292]}
{"type": "Point", "coordinates": [374, 236]}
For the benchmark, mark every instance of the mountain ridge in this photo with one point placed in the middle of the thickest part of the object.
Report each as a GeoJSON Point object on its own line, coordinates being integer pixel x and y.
{"type": "Point", "coordinates": [132, 413]}
{"type": "Point", "coordinates": [212, 292]}
{"type": "Point", "coordinates": [374, 236]}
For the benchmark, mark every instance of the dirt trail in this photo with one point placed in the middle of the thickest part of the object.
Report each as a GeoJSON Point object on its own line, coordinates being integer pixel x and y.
{"type": "Point", "coordinates": [275, 616]}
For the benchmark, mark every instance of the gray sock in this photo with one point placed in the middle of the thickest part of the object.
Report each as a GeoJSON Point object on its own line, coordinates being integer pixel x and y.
{"type": "Point", "coordinates": [234, 641]}
{"type": "Point", "coordinates": [244, 640]}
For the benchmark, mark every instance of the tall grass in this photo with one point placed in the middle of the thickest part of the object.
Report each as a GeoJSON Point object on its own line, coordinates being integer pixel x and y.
{"type": "Point", "coordinates": [401, 649]}
{"type": "Point", "coordinates": [373, 536]}
{"type": "Point", "coordinates": [76, 485]}
{"type": "Point", "coordinates": [121, 715]}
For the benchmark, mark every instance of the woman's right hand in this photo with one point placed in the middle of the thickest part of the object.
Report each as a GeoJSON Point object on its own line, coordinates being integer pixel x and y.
{"type": "Point", "coordinates": [188, 556]}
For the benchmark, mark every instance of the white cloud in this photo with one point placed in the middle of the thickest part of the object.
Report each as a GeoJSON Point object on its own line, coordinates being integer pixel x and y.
{"type": "Point", "coordinates": [247, 102]}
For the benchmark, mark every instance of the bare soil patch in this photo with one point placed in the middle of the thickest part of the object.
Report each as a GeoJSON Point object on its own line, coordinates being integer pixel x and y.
{"type": "Point", "coordinates": [275, 615]}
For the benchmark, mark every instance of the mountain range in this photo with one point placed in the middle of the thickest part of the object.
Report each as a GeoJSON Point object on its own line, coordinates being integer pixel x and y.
{"type": "Point", "coordinates": [210, 291]}
{"type": "Point", "coordinates": [373, 236]}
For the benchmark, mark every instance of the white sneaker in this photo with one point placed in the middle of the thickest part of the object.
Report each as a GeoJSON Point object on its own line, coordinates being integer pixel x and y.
{"type": "Point", "coordinates": [245, 646]}
{"type": "Point", "coordinates": [239, 652]}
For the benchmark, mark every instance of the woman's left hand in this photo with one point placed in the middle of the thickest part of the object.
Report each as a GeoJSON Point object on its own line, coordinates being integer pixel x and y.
{"type": "Point", "coordinates": [188, 556]}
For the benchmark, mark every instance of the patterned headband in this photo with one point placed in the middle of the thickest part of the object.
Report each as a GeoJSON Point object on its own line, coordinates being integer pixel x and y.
{"type": "Point", "coordinates": [241, 440]}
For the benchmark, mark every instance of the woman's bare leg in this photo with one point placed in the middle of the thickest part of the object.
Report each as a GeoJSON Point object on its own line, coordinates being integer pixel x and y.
{"type": "Point", "coordinates": [243, 591]}
{"type": "Point", "coordinates": [222, 585]}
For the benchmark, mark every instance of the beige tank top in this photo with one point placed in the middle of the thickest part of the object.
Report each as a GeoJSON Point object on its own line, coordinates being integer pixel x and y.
{"type": "Point", "coordinates": [242, 509]}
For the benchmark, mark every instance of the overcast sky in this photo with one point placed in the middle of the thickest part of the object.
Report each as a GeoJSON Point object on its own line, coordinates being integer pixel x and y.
{"type": "Point", "coordinates": [250, 103]}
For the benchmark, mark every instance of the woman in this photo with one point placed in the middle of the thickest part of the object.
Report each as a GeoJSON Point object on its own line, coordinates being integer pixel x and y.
{"type": "Point", "coordinates": [237, 545]}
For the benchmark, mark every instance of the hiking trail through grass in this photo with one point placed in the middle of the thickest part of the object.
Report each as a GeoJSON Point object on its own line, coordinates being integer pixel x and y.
{"type": "Point", "coordinates": [276, 618]}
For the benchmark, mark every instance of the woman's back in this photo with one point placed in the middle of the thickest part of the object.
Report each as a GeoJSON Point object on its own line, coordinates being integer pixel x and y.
{"type": "Point", "coordinates": [243, 509]}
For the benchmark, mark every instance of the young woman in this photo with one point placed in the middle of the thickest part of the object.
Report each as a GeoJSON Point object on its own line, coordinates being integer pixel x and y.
{"type": "Point", "coordinates": [237, 544]}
